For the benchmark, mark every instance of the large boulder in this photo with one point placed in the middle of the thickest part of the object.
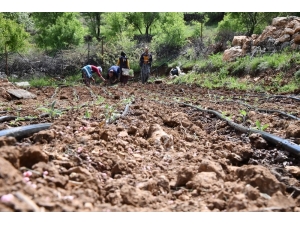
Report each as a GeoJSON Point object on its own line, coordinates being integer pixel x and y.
{"type": "Point", "coordinates": [232, 53]}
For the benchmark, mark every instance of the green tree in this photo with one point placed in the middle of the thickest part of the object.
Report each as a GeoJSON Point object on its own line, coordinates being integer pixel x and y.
{"type": "Point", "coordinates": [13, 37]}
{"type": "Point", "coordinates": [115, 23]}
{"type": "Point", "coordinates": [246, 22]}
{"type": "Point", "coordinates": [93, 22]}
{"type": "Point", "coordinates": [57, 30]}
{"type": "Point", "coordinates": [214, 17]}
{"type": "Point", "coordinates": [143, 20]}
{"type": "Point", "coordinates": [171, 32]}
{"type": "Point", "coordinates": [20, 18]}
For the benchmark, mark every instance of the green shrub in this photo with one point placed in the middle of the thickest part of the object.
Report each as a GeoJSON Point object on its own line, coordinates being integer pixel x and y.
{"type": "Point", "coordinates": [41, 82]}
{"type": "Point", "coordinates": [297, 75]}
{"type": "Point", "coordinates": [263, 66]}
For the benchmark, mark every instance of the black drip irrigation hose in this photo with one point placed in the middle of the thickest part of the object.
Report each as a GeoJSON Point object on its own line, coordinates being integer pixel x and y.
{"type": "Point", "coordinates": [283, 96]}
{"type": "Point", "coordinates": [273, 96]}
{"type": "Point", "coordinates": [295, 97]}
{"type": "Point", "coordinates": [7, 118]}
{"type": "Point", "coordinates": [264, 110]}
{"type": "Point", "coordinates": [270, 111]}
{"type": "Point", "coordinates": [265, 96]}
{"type": "Point", "coordinates": [287, 145]}
{"type": "Point", "coordinates": [24, 131]}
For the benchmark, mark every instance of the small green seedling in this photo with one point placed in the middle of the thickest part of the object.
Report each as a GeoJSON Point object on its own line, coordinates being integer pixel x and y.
{"type": "Point", "coordinates": [19, 118]}
{"type": "Point", "coordinates": [126, 101]}
{"type": "Point", "coordinates": [243, 113]}
{"type": "Point", "coordinates": [261, 127]}
{"type": "Point", "coordinates": [87, 114]}
{"type": "Point", "coordinates": [224, 114]}
{"type": "Point", "coordinates": [109, 112]}
{"type": "Point", "coordinates": [99, 100]}
{"type": "Point", "coordinates": [52, 111]}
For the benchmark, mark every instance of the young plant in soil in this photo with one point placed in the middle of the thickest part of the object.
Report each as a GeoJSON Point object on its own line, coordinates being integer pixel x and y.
{"type": "Point", "coordinates": [52, 111]}
{"type": "Point", "coordinates": [126, 101]}
{"type": "Point", "coordinates": [99, 100]}
{"type": "Point", "coordinates": [243, 114]}
{"type": "Point", "coordinates": [226, 115]}
{"type": "Point", "coordinates": [259, 126]}
{"type": "Point", "coordinates": [87, 114]}
{"type": "Point", "coordinates": [15, 122]}
{"type": "Point", "coordinates": [109, 113]}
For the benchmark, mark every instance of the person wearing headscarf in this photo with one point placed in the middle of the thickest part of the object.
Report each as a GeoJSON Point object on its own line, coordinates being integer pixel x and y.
{"type": "Point", "coordinates": [87, 73]}
{"type": "Point", "coordinates": [113, 74]}
{"type": "Point", "coordinates": [145, 64]}
{"type": "Point", "coordinates": [123, 63]}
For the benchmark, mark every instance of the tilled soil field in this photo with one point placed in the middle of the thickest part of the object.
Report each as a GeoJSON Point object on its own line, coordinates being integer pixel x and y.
{"type": "Point", "coordinates": [152, 147]}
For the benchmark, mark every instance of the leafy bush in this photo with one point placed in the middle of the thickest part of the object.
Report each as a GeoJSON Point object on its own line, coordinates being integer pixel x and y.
{"type": "Point", "coordinates": [58, 30]}
{"type": "Point", "coordinates": [170, 35]}
{"type": "Point", "coordinates": [253, 65]}
{"type": "Point", "coordinates": [263, 66]}
{"type": "Point", "coordinates": [297, 75]}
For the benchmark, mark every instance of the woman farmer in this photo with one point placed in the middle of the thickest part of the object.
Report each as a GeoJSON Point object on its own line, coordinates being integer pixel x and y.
{"type": "Point", "coordinates": [87, 73]}
{"type": "Point", "coordinates": [124, 64]}
{"type": "Point", "coordinates": [145, 64]}
{"type": "Point", "coordinates": [113, 74]}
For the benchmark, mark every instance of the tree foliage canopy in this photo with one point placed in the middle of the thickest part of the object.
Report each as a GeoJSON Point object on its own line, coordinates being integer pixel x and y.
{"type": "Point", "coordinates": [247, 23]}
{"type": "Point", "coordinates": [93, 22]}
{"type": "Point", "coordinates": [57, 30]}
{"type": "Point", "coordinates": [13, 37]}
{"type": "Point", "coordinates": [142, 21]}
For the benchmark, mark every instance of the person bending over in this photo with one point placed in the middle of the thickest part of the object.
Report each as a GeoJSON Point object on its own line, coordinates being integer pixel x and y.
{"type": "Point", "coordinates": [87, 73]}
{"type": "Point", "coordinates": [113, 74]}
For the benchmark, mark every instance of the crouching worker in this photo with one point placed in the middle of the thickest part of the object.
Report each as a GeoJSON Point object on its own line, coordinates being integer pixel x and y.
{"type": "Point", "coordinates": [113, 74]}
{"type": "Point", "coordinates": [175, 72]}
{"type": "Point", "coordinates": [87, 74]}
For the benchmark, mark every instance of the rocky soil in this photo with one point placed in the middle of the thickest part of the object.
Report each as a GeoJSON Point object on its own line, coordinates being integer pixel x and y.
{"type": "Point", "coordinates": [139, 148]}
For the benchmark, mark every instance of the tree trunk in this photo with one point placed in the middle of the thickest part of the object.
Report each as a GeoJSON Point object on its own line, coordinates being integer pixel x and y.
{"type": "Point", "coordinates": [88, 58]}
{"type": "Point", "coordinates": [102, 51]}
{"type": "Point", "coordinates": [6, 56]}
{"type": "Point", "coordinates": [201, 29]}
{"type": "Point", "coordinates": [98, 18]}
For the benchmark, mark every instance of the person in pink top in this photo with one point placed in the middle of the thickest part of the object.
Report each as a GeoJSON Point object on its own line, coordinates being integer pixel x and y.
{"type": "Point", "coordinates": [87, 72]}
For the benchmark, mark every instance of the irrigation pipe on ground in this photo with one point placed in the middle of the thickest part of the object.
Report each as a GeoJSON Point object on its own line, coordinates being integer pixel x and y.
{"type": "Point", "coordinates": [287, 145]}
{"type": "Point", "coordinates": [263, 110]}
{"type": "Point", "coordinates": [24, 131]}
{"type": "Point", "coordinates": [7, 118]}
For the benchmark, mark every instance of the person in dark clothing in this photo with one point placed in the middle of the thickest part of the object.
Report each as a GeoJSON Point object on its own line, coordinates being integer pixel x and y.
{"type": "Point", "coordinates": [145, 64]}
{"type": "Point", "coordinates": [113, 74]}
{"type": "Point", "coordinates": [87, 72]}
{"type": "Point", "coordinates": [174, 71]}
{"type": "Point", "coordinates": [123, 62]}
